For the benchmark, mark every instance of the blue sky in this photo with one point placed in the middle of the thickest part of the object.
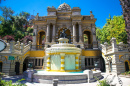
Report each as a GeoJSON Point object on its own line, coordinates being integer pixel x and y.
{"type": "Point", "coordinates": [101, 8]}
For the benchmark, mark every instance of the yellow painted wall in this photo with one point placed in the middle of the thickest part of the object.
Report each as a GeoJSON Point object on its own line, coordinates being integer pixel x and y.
{"type": "Point", "coordinates": [37, 53]}
{"type": "Point", "coordinates": [91, 52]}
{"type": "Point", "coordinates": [42, 53]}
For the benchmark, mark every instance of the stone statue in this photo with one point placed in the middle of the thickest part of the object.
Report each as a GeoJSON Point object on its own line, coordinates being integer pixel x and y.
{"type": "Point", "coordinates": [63, 34]}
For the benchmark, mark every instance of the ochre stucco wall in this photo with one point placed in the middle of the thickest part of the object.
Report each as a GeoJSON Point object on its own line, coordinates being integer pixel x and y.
{"type": "Point", "coordinates": [37, 53]}
{"type": "Point", "coordinates": [84, 53]}
{"type": "Point", "coordinates": [91, 53]}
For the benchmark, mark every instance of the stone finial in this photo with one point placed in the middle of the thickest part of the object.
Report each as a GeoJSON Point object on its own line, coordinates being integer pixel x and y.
{"type": "Point", "coordinates": [92, 16]}
{"type": "Point", "coordinates": [38, 14]}
{"type": "Point", "coordinates": [91, 12]}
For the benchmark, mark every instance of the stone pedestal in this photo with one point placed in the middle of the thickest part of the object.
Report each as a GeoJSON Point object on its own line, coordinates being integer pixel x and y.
{"type": "Point", "coordinates": [90, 75]}
{"type": "Point", "coordinates": [30, 75]}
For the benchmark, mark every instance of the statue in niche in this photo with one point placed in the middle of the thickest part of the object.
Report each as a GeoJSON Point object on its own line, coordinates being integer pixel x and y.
{"type": "Point", "coordinates": [63, 34]}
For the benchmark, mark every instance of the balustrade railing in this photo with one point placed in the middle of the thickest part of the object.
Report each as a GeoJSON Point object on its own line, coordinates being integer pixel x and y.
{"type": "Point", "coordinates": [88, 46]}
{"type": "Point", "coordinates": [122, 47]}
{"type": "Point", "coordinates": [37, 47]}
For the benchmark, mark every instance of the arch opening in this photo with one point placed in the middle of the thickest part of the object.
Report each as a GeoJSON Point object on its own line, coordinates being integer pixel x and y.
{"type": "Point", "coordinates": [87, 39]}
{"type": "Point", "coordinates": [41, 40]}
{"type": "Point", "coordinates": [126, 66]}
{"type": "Point", "coordinates": [68, 33]}
{"type": "Point", "coordinates": [51, 32]}
{"type": "Point", "coordinates": [77, 32]}
{"type": "Point", "coordinates": [102, 65]}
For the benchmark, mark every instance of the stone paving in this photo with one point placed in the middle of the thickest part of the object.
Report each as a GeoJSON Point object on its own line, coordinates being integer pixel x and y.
{"type": "Point", "coordinates": [126, 81]}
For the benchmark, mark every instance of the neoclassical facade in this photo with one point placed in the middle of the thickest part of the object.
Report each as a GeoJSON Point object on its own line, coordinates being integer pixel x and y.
{"type": "Point", "coordinates": [79, 29]}
{"type": "Point", "coordinates": [47, 28]}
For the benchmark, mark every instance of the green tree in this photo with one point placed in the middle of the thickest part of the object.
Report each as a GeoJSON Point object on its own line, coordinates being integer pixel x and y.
{"type": "Point", "coordinates": [14, 25]}
{"type": "Point", "coordinates": [7, 12]}
{"type": "Point", "coordinates": [25, 14]}
{"type": "Point", "coordinates": [115, 27]}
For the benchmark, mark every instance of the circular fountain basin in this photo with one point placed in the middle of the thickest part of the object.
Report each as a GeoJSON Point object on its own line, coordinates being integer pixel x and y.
{"type": "Point", "coordinates": [63, 77]}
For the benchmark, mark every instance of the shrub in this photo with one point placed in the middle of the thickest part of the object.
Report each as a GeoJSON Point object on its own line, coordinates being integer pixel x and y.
{"type": "Point", "coordinates": [103, 83]}
{"type": "Point", "coordinates": [9, 83]}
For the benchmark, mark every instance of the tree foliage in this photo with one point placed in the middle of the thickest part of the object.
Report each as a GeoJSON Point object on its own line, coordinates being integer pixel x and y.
{"type": "Point", "coordinates": [14, 25]}
{"type": "Point", "coordinates": [114, 27]}
{"type": "Point", "coordinates": [7, 12]}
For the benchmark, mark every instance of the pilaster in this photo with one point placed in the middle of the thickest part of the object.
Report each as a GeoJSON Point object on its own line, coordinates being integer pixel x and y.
{"type": "Point", "coordinates": [48, 63]}
{"type": "Point", "coordinates": [53, 35]}
{"type": "Point", "coordinates": [34, 38]}
{"type": "Point", "coordinates": [74, 32]}
{"type": "Point", "coordinates": [48, 33]}
{"type": "Point", "coordinates": [77, 62]}
{"type": "Point", "coordinates": [80, 33]}
{"type": "Point", "coordinates": [21, 68]}
{"type": "Point", "coordinates": [62, 61]}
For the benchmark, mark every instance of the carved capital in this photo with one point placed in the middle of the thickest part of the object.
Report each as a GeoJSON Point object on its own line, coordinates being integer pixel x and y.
{"type": "Point", "coordinates": [73, 23]}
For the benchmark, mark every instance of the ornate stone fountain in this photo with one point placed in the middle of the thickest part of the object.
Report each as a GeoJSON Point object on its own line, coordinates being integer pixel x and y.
{"type": "Point", "coordinates": [63, 62]}
{"type": "Point", "coordinates": [63, 57]}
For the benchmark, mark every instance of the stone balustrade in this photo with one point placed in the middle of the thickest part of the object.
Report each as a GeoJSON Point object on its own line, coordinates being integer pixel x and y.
{"type": "Point", "coordinates": [17, 48]}
{"type": "Point", "coordinates": [113, 47]}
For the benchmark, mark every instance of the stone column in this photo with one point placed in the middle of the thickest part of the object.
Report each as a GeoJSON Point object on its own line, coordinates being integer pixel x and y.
{"type": "Point", "coordinates": [80, 33]}
{"type": "Point", "coordinates": [74, 33]}
{"type": "Point", "coordinates": [54, 33]}
{"type": "Point", "coordinates": [48, 63]}
{"type": "Point", "coordinates": [87, 63]}
{"type": "Point", "coordinates": [48, 33]}
{"type": "Point", "coordinates": [41, 62]}
{"type": "Point", "coordinates": [21, 68]}
{"type": "Point", "coordinates": [37, 62]}
{"type": "Point", "coordinates": [77, 62]}
{"type": "Point", "coordinates": [33, 62]}
{"type": "Point", "coordinates": [62, 61]}
{"type": "Point", "coordinates": [34, 38]}
{"type": "Point", "coordinates": [90, 61]}
{"type": "Point", "coordinates": [95, 45]}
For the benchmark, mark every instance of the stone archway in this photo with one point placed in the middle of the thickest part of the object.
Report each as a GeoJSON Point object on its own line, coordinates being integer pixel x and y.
{"type": "Point", "coordinates": [102, 64]}
{"type": "Point", "coordinates": [87, 38]}
{"type": "Point", "coordinates": [68, 32]}
{"type": "Point", "coordinates": [41, 38]}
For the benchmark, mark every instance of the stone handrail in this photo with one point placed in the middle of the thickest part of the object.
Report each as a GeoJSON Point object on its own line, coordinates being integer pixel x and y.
{"type": "Point", "coordinates": [16, 48]}
{"type": "Point", "coordinates": [122, 47]}
{"type": "Point", "coordinates": [107, 49]}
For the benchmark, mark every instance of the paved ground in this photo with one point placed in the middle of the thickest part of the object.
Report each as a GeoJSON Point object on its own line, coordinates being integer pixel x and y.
{"type": "Point", "coordinates": [126, 81]}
